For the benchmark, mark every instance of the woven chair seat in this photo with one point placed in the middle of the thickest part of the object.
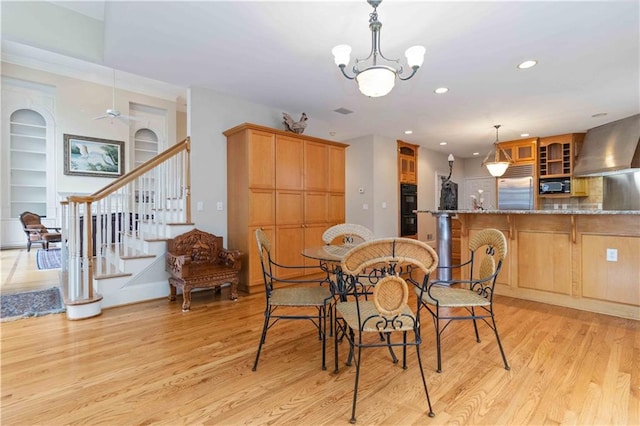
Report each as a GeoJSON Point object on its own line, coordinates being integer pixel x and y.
{"type": "Point", "coordinates": [349, 312]}
{"type": "Point", "coordinates": [454, 297]}
{"type": "Point", "coordinates": [302, 296]}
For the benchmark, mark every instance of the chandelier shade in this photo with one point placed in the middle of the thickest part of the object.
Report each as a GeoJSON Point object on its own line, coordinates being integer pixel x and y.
{"type": "Point", "coordinates": [497, 160]}
{"type": "Point", "coordinates": [376, 81]}
{"type": "Point", "coordinates": [376, 75]}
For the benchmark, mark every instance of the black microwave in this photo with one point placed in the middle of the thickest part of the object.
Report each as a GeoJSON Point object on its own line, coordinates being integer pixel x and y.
{"type": "Point", "coordinates": [555, 186]}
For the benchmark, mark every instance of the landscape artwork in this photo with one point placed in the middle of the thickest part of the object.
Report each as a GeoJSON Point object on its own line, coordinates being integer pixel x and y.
{"type": "Point", "coordinates": [86, 156]}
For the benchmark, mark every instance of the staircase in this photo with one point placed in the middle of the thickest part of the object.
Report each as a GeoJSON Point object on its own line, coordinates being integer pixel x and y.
{"type": "Point", "coordinates": [116, 238]}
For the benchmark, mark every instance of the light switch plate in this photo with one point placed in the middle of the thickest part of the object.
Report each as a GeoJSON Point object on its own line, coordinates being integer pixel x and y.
{"type": "Point", "coordinates": [219, 205]}
{"type": "Point", "coordinates": [612, 255]}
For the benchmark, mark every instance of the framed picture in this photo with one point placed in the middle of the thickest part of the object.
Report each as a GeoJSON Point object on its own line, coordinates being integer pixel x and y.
{"type": "Point", "coordinates": [85, 156]}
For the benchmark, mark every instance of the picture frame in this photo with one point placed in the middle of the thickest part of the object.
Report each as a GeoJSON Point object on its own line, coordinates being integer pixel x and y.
{"type": "Point", "coordinates": [87, 156]}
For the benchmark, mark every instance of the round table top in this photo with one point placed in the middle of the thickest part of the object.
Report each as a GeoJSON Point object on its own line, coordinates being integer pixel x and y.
{"type": "Point", "coordinates": [328, 253]}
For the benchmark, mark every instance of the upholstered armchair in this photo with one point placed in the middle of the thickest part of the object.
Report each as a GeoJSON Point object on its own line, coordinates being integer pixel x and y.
{"type": "Point", "coordinates": [37, 232]}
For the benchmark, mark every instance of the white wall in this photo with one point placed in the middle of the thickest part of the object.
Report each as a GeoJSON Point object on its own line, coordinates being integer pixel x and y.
{"type": "Point", "coordinates": [211, 113]}
{"type": "Point", "coordinates": [359, 174]}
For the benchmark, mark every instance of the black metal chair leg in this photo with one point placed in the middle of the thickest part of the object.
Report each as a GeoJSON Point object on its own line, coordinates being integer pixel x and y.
{"type": "Point", "coordinates": [394, 358]}
{"type": "Point", "coordinates": [438, 345]}
{"type": "Point", "coordinates": [355, 389]}
{"type": "Point", "coordinates": [424, 381]}
{"type": "Point", "coordinates": [262, 339]}
{"type": "Point", "coordinates": [475, 325]}
{"type": "Point", "coordinates": [504, 358]}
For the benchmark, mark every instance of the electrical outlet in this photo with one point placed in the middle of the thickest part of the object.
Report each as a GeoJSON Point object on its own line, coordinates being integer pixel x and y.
{"type": "Point", "coordinates": [365, 206]}
{"type": "Point", "coordinates": [219, 205]}
{"type": "Point", "coordinates": [612, 255]}
{"type": "Point", "coordinates": [429, 237]}
{"type": "Point", "coordinates": [200, 206]}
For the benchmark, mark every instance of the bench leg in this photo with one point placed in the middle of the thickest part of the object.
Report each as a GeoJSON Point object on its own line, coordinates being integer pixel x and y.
{"type": "Point", "coordinates": [234, 290]}
{"type": "Point", "coordinates": [186, 299]}
{"type": "Point", "coordinates": [172, 292]}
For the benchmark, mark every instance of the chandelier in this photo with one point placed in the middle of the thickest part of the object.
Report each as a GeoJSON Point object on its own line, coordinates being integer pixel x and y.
{"type": "Point", "coordinates": [497, 160]}
{"type": "Point", "coordinates": [376, 74]}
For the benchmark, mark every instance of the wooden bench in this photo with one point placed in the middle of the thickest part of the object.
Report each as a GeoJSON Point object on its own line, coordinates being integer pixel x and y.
{"type": "Point", "coordinates": [197, 259]}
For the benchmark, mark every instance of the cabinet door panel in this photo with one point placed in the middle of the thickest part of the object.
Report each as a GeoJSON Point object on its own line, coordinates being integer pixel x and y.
{"type": "Point", "coordinates": [316, 161]}
{"type": "Point", "coordinates": [261, 161]}
{"type": "Point", "coordinates": [290, 163]}
{"type": "Point", "coordinates": [313, 237]}
{"type": "Point", "coordinates": [261, 207]}
{"type": "Point", "coordinates": [288, 250]}
{"type": "Point", "coordinates": [336, 169]}
{"type": "Point", "coordinates": [254, 266]}
{"type": "Point", "coordinates": [549, 249]}
{"type": "Point", "coordinates": [611, 281]}
{"type": "Point", "coordinates": [315, 207]}
{"type": "Point", "coordinates": [289, 207]}
{"type": "Point", "coordinates": [336, 208]}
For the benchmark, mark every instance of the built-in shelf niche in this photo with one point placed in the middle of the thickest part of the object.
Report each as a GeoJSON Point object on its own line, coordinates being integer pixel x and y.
{"type": "Point", "coordinates": [28, 162]}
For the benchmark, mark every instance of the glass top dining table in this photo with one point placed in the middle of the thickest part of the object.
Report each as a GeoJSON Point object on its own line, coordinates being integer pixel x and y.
{"type": "Point", "coordinates": [326, 253]}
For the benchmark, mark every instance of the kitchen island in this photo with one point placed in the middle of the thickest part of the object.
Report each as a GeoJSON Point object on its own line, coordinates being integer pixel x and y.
{"type": "Point", "coordinates": [582, 259]}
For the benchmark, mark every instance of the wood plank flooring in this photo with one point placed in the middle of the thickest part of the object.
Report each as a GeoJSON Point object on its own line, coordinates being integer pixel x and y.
{"type": "Point", "coordinates": [18, 272]}
{"type": "Point", "coordinates": [150, 363]}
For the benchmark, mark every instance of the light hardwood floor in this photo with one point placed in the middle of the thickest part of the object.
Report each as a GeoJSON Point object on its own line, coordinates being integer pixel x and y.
{"type": "Point", "coordinates": [150, 363]}
{"type": "Point", "coordinates": [18, 272]}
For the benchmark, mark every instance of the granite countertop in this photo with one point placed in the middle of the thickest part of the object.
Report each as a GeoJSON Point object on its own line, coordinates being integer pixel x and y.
{"type": "Point", "coordinates": [565, 212]}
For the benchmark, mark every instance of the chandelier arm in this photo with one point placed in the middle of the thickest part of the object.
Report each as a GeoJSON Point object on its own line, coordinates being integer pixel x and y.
{"type": "Point", "coordinates": [413, 72]}
{"type": "Point", "coordinates": [342, 67]}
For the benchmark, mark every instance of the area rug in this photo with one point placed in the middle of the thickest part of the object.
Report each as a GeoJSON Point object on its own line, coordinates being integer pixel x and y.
{"type": "Point", "coordinates": [48, 259]}
{"type": "Point", "coordinates": [31, 304]}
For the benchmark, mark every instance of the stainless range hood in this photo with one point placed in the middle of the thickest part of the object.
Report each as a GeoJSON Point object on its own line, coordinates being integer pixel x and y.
{"type": "Point", "coordinates": [609, 148]}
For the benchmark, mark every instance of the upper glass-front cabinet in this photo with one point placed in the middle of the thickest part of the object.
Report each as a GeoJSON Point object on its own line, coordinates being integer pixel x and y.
{"type": "Point", "coordinates": [28, 162]}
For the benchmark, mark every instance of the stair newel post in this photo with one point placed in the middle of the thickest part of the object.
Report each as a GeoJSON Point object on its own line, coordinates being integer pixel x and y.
{"type": "Point", "coordinates": [88, 249]}
{"type": "Point", "coordinates": [64, 249]}
{"type": "Point", "coordinates": [187, 179]}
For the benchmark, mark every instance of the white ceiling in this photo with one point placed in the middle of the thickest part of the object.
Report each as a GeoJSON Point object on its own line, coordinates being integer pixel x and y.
{"type": "Point", "coordinates": [279, 54]}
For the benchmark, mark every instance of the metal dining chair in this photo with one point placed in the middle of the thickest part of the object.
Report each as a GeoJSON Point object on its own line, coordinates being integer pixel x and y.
{"type": "Point", "coordinates": [397, 263]}
{"type": "Point", "coordinates": [470, 299]}
{"type": "Point", "coordinates": [284, 297]}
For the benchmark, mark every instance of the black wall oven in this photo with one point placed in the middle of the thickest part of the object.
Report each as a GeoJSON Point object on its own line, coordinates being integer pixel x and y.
{"type": "Point", "coordinates": [408, 203]}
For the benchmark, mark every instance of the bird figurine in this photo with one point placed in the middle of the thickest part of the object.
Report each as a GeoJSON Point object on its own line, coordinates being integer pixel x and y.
{"type": "Point", "coordinates": [294, 126]}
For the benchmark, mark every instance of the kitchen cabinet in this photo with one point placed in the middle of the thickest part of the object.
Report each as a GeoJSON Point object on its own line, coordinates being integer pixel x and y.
{"type": "Point", "coordinates": [556, 155]}
{"type": "Point", "coordinates": [560, 259]}
{"type": "Point", "coordinates": [407, 162]}
{"type": "Point", "coordinates": [521, 151]}
{"type": "Point", "coordinates": [290, 185]}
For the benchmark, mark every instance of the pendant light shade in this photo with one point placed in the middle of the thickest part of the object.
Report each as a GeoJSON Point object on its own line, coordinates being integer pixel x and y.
{"type": "Point", "coordinates": [495, 163]}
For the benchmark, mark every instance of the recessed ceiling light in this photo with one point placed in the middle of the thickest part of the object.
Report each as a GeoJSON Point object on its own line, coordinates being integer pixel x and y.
{"type": "Point", "coordinates": [476, 153]}
{"type": "Point", "coordinates": [527, 64]}
{"type": "Point", "coordinates": [443, 143]}
{"type": "Point", "coordinates": [600, 114]}
{"type": "Point", "coordinates": [441, 90]}
{"type": "Point", "coordinates": [408, 132]}
{"type": "Point", "coordinates": [524, 135]}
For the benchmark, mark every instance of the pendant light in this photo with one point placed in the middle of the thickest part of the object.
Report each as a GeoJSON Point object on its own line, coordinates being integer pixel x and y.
{"type": "Point", "coordinates": [497, 160]}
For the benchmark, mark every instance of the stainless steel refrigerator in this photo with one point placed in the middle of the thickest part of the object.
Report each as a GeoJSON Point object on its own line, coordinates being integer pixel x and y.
{"type": "Point", "coordinates": [515, 193]}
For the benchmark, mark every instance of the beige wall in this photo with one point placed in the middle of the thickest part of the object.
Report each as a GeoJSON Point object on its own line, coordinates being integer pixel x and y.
{"type": "Point", "coordinates": [77, 103]}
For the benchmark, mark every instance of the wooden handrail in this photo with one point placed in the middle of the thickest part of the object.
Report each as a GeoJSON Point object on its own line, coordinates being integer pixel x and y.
{"type": "Point", "coordinates": [184, 145]}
